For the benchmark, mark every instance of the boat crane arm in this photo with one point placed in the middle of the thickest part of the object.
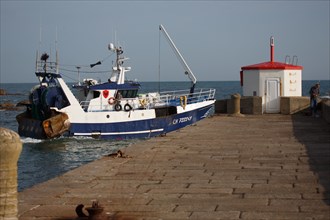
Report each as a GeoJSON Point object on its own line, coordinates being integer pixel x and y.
{"type": "Point", "coordinates": [180, 57]}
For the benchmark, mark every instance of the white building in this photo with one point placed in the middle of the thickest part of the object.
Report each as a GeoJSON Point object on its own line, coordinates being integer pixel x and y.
{"type": "Point", "coordinates": [271, 80]}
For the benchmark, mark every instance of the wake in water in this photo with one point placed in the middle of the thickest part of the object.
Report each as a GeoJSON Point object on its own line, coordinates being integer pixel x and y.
{"type": "Point", "coordinates": [26, 140]}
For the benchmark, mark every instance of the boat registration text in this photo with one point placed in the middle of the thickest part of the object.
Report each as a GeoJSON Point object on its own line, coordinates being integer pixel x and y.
{"type": "Point", "coordinates": [182, 120]}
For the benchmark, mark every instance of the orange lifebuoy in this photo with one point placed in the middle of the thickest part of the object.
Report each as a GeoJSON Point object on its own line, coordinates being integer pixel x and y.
{"type": "Point", "coordinates": [111, 100]}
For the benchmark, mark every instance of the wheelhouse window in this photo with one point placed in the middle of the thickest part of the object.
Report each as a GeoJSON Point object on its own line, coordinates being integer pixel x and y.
{"type": "Point", "coordinates": [96, 94]}
{"type": "Point", "coordinates": [128, 93]}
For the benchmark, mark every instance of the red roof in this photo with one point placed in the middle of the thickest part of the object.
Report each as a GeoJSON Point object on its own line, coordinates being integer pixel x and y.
{"type": "Point", "coordinates": [272, 65]}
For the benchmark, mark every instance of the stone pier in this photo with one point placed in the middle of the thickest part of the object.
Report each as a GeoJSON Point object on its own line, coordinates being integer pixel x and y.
{"type": "Point", "coordinates": [253, 167]}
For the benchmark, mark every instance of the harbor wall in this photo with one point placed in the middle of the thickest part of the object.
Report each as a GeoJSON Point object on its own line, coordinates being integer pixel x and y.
{"type": "Point", "coordinates": [326, 110]}
{"type": "Point", "coordinates": [291, 105]}
{"type": "Point", "coordinates": [248, 105]}
{"type": "Point", "coordinates": [251, 105]}
{"type": "Point", "coordinates": [288, 105]}
{"type": "Point", "coordinates": [220, 106]}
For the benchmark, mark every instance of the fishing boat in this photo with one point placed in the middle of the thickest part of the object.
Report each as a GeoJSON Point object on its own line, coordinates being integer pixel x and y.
{"type": "Point", "coordinates": [113, 109]}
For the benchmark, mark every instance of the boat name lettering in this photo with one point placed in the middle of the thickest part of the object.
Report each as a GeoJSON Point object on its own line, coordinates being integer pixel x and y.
{"type": "Point", "coordinates": [182, 120]}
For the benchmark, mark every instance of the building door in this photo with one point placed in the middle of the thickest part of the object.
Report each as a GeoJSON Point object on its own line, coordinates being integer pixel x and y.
{"type": "Point", "coordinates": [272, 95]}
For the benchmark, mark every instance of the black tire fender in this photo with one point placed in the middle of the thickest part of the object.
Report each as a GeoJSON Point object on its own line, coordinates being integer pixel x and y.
{"type": "Point", "coordinates": [127, 107]}
{"type": "Point", "coordinates": [118, 107]}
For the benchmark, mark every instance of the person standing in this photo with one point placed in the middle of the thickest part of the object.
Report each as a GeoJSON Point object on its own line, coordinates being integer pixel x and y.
{"type": "Point", "coordinates": [314, 93]}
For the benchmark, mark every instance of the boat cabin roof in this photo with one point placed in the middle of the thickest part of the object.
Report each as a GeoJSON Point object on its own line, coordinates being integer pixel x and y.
{"type": "Point", "coordinates": [115, 86]}
{"type": "Point", "coordinates": [47, 74]}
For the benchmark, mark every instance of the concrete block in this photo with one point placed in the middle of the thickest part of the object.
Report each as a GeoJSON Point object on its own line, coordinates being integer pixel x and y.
{"type": "Point", "coordinates": [292, 105]}
{"type": "Point", "coordinates": [251, 105]}
{"type": "Point", "coordinates": [230, 105]}
{"type": "Point", "coordinates": [221, 106]}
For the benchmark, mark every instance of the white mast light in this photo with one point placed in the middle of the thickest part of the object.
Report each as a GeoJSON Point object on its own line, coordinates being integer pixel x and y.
{"type": "Point", "coordinates": [111, 47]}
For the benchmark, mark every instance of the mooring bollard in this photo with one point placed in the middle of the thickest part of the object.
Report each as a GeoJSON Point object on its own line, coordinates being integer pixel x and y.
{"type": "Point", "coordinates": [234, 105]}
{"type": "Point", "coordinates": [237, 103]}
{"type": "Point", "coordinates": [10, 149]}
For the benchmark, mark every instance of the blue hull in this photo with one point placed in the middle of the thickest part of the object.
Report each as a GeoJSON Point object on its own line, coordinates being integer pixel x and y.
{"type": "Point", "coordinates": [140, 129]}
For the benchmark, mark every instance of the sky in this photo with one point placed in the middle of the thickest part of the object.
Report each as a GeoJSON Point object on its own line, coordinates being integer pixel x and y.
{"type": "Point", "coordinates": [216, 38]}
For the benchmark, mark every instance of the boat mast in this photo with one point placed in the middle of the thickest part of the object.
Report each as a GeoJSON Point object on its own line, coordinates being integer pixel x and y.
{"type": "Point", "coordinates": [118, 74]}
{"type": "Point", "coordinates": [57, 59]}
{"type": "Point", "coordinates": [180, 57]}
{"type": "Point", "coordinates": [37, 55]}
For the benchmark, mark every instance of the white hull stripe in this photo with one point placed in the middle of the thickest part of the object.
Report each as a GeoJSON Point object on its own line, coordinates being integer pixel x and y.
{"type": "Point", "coordinates": [121, 133]}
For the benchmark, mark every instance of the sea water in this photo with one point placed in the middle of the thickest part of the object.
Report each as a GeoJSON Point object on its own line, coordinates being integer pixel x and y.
{"type": "Point", "coordinates": [42, 160]}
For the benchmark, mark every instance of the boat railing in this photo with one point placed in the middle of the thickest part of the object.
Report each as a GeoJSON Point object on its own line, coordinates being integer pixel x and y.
{"type": "Point", "coordinates": [175, 97]}
{"type": "Point", "coordinates": [46, 67]}
{"type": "Point", "coordinates": [96, 105]}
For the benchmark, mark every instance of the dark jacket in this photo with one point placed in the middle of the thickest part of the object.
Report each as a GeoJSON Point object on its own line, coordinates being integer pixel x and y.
{"type": "Point", "coordinates": [314, 92]}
